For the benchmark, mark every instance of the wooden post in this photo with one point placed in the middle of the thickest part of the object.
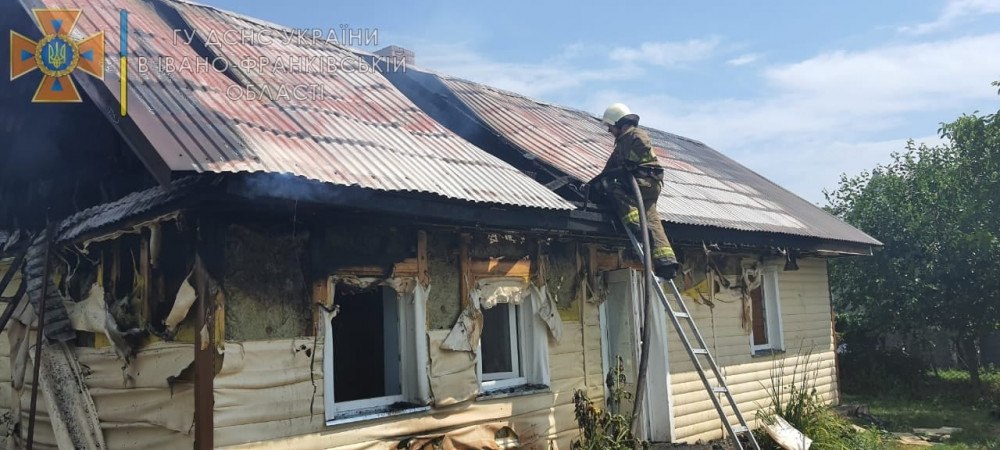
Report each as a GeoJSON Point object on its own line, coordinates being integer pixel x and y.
{"type": "Point", "coordinates": [321, 296]}
{"type": "Point", "coordinates": [423, 276]}
{"type": "Point", "coordinates": [204, 359]}
{"type": "Point", "coordinates": [464, 264]}
{"type": "Point", "coordinates": [146, 274]}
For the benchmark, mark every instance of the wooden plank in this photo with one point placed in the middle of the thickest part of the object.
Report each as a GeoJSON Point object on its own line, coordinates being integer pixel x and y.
{"type": "Point", "coordinates": [422, 275]}
{"type": "Point", "coordinates": [465, 266]}
{"type": "Point", "coordinates": [481, 268]}
{"type": "Point", "coordinates": [320, 296]}
{"type": "Point", "coordinates": [204, 360]}
{"type": "Point", "coordinates": [146, 273]}
{"type": "Point", "coordinates": [540, 274]}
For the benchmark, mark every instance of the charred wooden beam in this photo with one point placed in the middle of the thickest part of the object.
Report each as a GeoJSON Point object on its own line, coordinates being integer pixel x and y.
{"type": "Point", "coordinates": [422, 274]}
{"type": "Point", "coordinates": [465, 268]}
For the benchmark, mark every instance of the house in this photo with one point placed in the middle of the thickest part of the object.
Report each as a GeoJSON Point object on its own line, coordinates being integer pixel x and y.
{"type": "Point", "coordinates": [395, 260]}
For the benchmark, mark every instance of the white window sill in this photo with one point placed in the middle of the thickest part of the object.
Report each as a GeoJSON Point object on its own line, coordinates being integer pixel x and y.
{"type": "Point", "coordinates": [376, 413]}
{"type": "Point", "coordinates": [513, 391]}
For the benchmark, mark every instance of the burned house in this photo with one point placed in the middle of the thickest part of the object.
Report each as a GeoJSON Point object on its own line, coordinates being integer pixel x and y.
{"type": "Point", "coordinates": [404, 262]}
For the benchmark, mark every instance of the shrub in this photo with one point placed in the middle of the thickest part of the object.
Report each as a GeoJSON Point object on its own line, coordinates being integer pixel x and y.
{"type": "Point", "coordinates": [606, 429]}
{"type": "Point", "coordinates": [867, 366]}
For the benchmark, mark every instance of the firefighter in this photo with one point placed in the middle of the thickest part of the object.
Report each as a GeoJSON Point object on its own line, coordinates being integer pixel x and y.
{"type": "Point", "coordinates": [633, 154]}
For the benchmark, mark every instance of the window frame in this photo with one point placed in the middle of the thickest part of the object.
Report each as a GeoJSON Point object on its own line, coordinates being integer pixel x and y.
{"type": "Point", "coordinates": [408, 322]}
{"type": "Point", "coordinates": [516, 377]}
{"type": "Point", "coordinates": [771, 302]}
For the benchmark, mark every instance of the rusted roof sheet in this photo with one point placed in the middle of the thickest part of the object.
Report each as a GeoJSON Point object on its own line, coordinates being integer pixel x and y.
{"type": "Point", "coordinates": [702, 186]}
{"type": "Point", "coordinates": [360, 132]}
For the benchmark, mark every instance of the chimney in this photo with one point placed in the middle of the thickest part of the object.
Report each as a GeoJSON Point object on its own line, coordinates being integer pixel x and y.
{"type": "Point", "coordinates": [398, 53]}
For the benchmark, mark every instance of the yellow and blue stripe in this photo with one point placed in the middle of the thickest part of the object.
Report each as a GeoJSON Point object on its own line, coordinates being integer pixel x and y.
{"type": "Point", "coordinates": [123, 60]}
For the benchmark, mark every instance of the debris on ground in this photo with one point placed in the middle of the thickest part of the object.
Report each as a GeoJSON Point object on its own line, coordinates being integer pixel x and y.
{"type": "Point", "coordinates": [940, 434]}
{"type": "Point", "coordinates": [786, 435]}
{"type": "Point", "coordinates": [926, 436]}
{"type": "Point", "coordinates": [912, 439]}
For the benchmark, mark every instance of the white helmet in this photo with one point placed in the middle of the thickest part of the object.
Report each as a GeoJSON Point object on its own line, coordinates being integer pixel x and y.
{"type": "Point", "coordinates": [614, 113]}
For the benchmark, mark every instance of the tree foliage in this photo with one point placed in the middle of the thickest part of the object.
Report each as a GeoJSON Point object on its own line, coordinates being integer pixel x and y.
{"type": "Point", "coordinates": [935, 211]}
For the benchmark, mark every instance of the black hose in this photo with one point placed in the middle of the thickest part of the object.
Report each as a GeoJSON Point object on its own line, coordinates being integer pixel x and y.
{"type": "Point", "coordinates": [640, 384]}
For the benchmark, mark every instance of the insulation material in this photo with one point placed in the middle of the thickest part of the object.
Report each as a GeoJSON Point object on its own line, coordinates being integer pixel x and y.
{"type": "Point", "coordinates": [265, 288]}
{"type": "Point", "coordinates": [562, 275]}
{"type": "Point", "coordinates": [182, 304]}
{"type": "Point", "coordinates": [91, 313]}
{"type": "Point", "coordinates": [464, 336]}
{"type": "Point", "coordinates": [491, 291]}
{"type": "Point", "coordinates": [490, 436]}
{"type": "Point", "coordinates": [546, 309]}
{"type": "Point", "coordinates": [404, 286]}
{"type": "Point", "coordinates": [452, 374]}
{"type": "Point", "coordinates": [269, 389]}
{"type": "Point", "coordinates": [443, 305]}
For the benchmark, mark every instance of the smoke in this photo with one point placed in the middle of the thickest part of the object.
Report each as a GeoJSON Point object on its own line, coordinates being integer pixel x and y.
{"type": "Point", "coordinates": [259, 186]}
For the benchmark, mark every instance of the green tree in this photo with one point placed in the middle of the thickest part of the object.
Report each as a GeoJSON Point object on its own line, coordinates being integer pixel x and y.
{"type": "Point", "coordinates": [935, 211]}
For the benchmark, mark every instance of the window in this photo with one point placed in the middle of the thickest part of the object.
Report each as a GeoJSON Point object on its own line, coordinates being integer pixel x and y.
{"type": "Point", "coordinates": [514, 344]}
{"type": "Point", "coordinates": [766, 309]}
{"type": "Point", "coordinates": [500, 348]}
{"type": "Point", "coordinates": [370, 354]}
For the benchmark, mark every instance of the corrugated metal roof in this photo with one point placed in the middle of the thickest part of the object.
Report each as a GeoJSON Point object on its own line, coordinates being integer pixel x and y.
{"type": "Point", "coordinates": [360, 132]}
{"type": "Point", "coordinates": [127, 207]}
{"type": "Point", "coordinates": [702, 186]}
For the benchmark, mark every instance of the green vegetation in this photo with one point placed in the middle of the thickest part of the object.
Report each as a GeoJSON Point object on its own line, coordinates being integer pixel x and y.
{"type": "Point", "coordinates": [947, 399]}
{"type": "Point", "coordinates": [793, 396]}
{"type": "Point", "coordinates": [937, 210]}
{"type": "Point", "coordinates": [607, 429]}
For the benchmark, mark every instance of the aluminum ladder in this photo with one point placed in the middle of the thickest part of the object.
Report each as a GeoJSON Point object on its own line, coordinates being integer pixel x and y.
{"type": "Point", "coordinates": [701, 351]}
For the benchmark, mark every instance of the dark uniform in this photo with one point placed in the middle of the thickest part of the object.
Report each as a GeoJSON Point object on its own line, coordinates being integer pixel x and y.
{"type": "Point", "coordinates": [634, 154]}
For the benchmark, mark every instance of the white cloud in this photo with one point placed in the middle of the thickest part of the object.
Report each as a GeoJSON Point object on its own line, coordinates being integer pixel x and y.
{"type": "Point", "coordinates": [953, 12]}
{"type": "Point", "coordinates": [835, 112]}
{"type": "Point", "coordinates": [668, 54]}
{"type": "Point", "coordinates": [743, 59]}
{"type": "Point", "coordinates": [559, 73]}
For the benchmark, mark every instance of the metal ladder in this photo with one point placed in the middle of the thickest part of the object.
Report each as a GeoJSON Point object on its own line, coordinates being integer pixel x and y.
{"type": "Point", "coordinates": [701, 350]}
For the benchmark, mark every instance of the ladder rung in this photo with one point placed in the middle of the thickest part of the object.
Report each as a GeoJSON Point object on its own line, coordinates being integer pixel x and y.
{"type": "Point", "coordinates": [740, 429]}
{"type": "Point", "coordinates": [720, 389]}
{"type": "Point", "coordinates": [682, 315]}
{"type": "Point", "coordinates": [699, 351]}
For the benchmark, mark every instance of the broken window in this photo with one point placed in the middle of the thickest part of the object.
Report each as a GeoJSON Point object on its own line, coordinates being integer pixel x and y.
{"type": "Point", "coordinates": [366, 347]}
{"type": "Point", "coordinates": [765, 304]}
{"type": "Point", "coordinates": [371, 356]}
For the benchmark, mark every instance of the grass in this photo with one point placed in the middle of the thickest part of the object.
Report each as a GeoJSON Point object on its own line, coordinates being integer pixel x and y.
{"type": "Point", "coordinates": [945, 399]}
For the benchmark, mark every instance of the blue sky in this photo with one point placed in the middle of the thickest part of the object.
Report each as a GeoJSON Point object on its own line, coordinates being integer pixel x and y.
{"type": "Point", "coordinates": [800, 92]}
